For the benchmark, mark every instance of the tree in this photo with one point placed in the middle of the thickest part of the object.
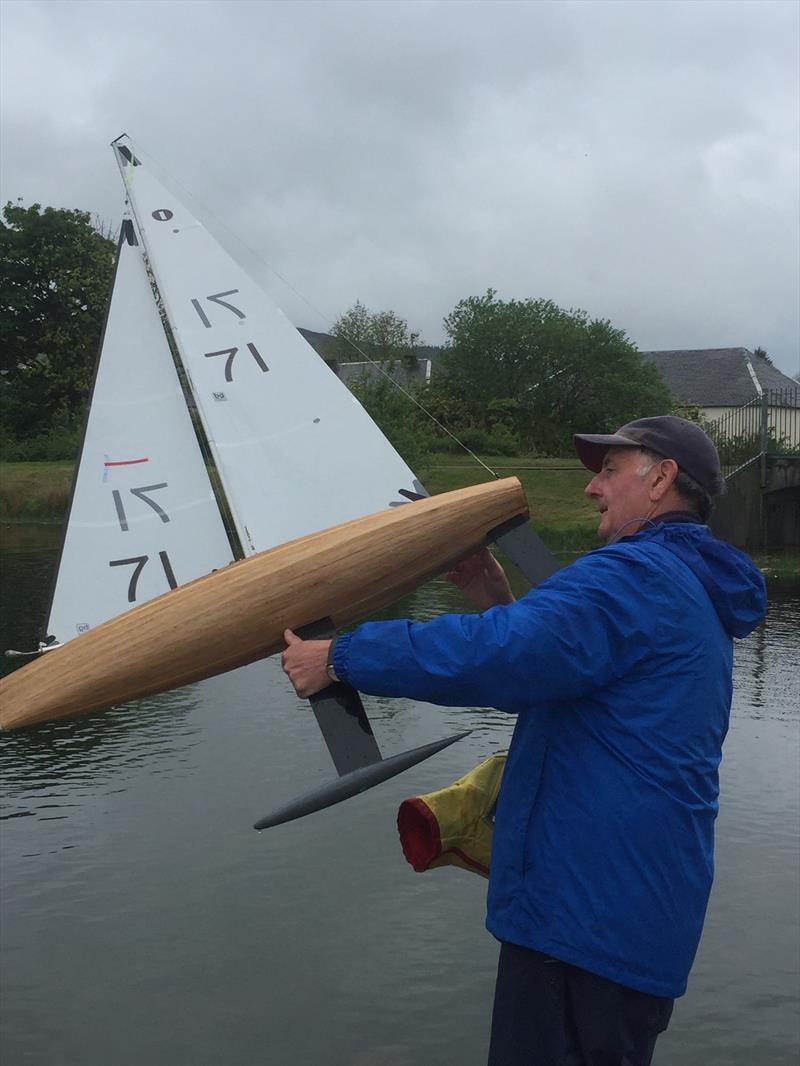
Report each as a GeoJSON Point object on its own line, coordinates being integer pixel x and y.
{"type": "Point", "coordinates": [551, 372]}
{"type": "Point", "coordinates": [398, 418]}
{"type": "Point", "coordinates": [55, 275]}
{"type": "Point", "coordinates": [761, 353]}
{"type": "Point", "coordinates": [383, 336]}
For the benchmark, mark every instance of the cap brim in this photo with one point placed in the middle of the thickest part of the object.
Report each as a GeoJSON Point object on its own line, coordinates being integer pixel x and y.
{"type": "Point", "coordinates": [592, 447]}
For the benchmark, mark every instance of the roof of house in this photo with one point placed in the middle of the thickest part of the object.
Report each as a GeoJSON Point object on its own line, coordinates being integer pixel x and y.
{"type": "Point", "coordinates": [323, 343]}
{"type": "Point", "coordinates": [718, 377]}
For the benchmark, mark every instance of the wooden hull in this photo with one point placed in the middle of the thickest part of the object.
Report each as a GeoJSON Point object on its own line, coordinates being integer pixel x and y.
{"type": "Point", "coordinates": [237, 615]}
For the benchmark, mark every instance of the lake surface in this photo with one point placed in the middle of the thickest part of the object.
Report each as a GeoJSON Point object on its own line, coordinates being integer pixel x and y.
{"type": "Point", "coordinates": [145, 923]}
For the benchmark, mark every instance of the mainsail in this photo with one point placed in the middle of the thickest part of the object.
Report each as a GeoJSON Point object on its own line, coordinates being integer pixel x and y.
{"type": "Point", "coordinates": [143, 516]}
{"type": "Point", "coordinates": [295, 450]}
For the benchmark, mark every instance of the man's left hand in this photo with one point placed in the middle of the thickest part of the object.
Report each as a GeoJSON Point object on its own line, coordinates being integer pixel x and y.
{"type": "Point", "coordinates": [305, 662]}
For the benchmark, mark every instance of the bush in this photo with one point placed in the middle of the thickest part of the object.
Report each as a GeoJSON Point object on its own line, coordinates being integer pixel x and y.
{"type": "Point", "coordinates": [396, 416]}
{"type": "Point", "coordinates": [499, 441]}
{"type": "Point", "coordinates": [736, 450]}
{"type": "Point", "coordinates": [60, 442]}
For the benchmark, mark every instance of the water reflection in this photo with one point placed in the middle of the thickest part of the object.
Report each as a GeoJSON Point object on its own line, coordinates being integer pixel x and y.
{"type": "Point", "coordinates": [94, 751]}
{"type": "Point", "coordinates": [144, 921]}
{"type": "Point", "coordinates": [767, 678]}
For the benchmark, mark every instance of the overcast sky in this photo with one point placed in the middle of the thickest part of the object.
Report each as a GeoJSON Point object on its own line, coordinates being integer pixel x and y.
{"type": "Point", "coordinates": [636, 159]}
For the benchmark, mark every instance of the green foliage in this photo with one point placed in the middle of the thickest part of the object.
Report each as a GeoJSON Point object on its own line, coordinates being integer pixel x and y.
{"type": "Point", "coordinates": [737, 449]}
{"type": "Point", "coordinates": [545, 373]}
{"type": "Point", "coordinates": [362, 334]}
{"type": "Point", "coordinates": [446, 398]}
{"type": "Point", "coordinates": [516, 376]}
{"type": "Point", "coordinates": [55, 274]}
{"type": "Point", "coordinates": [396, 415]}
{"type": "Point", "coordinates": [499, 441]}
{"type": "Point", "coordinates": [691, 412]}
{"type": "Point", "coordinates": [61, 441]}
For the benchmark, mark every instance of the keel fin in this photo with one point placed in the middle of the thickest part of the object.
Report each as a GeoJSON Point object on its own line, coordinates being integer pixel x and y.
{"type": "Point", "coordinates": [355, 782]}
{"type": "Point", "coordinates": [351, 742]}
{"type": "Point", "coordinates": [340, 714]}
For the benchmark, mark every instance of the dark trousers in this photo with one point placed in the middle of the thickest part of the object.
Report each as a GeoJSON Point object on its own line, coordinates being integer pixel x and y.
{"type": "Point", "coordinates": [548, 1013]}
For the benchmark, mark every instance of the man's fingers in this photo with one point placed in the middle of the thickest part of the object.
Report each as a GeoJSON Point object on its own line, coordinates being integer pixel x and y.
{"type": "Point", "coordinates": [304, 662]}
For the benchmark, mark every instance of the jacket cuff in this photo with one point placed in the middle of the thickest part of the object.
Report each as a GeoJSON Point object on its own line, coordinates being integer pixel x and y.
{"type": "Point", "coordinates": [340, 655]}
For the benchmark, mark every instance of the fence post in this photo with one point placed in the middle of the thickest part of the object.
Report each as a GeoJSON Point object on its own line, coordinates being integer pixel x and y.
{"type": "Point", "coordinates": [764, 436]}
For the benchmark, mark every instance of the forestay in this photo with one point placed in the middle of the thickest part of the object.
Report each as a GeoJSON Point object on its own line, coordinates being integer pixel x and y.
{"type": "Point", "coordinates": [295, 450]}
{"type": "Point", "coordinates": [143, 517]}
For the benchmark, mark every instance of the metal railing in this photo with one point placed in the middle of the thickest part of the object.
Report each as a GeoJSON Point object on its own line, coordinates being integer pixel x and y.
{"type": "Point", "coordinates": [783, 419]}
{"type": "Point", "coordinates": [768, 424]}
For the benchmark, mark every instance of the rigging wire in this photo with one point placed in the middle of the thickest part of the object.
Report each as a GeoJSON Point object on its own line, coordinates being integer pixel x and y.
{"type": "Point", "coordinates": [323, 318]}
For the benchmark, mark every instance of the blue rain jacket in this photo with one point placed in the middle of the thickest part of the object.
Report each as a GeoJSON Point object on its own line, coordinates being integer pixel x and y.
{"type": "Point", "coordinates": [618, 668]}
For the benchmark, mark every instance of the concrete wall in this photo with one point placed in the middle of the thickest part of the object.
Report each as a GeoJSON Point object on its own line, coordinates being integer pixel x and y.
{"type": "Point", "coordinates": [783, 472]}
{"type": "Point", "coordinates": [737, 517]}
{"type": "Point", "coordinates": [750, 517]}
{"type": "Point", "coordinates": [782, 518]}
{"type": "Point", "coordinates": [781, 502]}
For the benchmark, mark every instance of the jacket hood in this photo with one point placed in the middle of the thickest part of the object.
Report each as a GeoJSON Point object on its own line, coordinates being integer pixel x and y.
{"type": "Point", "coordinates": [733, 582]}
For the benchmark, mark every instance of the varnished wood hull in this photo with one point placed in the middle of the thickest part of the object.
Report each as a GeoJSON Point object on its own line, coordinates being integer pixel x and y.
{"type": "Point", "coordinates": [237, 615]}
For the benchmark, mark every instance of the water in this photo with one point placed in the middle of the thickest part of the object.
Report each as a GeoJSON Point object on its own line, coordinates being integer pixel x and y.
{"type": "Point", "coordinates": [145, 922]}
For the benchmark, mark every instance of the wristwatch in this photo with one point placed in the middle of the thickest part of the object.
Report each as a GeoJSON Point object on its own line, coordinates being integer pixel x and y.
{"type": "Point", "coordinates": [329, 670]}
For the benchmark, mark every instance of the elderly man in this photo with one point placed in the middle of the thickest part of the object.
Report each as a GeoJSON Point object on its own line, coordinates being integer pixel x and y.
{"type": "Point", "coordinates": [618, 668]}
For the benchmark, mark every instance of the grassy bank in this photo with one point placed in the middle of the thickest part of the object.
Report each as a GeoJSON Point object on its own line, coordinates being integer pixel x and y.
{"type": "Point", "coordinates": [39, 492]}
{"type": "Point", "coordinates": [560, 513]}
{"type": "Point", "coordinates": [34, 492]}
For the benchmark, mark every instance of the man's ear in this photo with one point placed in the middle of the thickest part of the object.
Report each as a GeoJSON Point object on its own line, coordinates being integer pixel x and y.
{"type": "Point", "coordinates": [663, 474]}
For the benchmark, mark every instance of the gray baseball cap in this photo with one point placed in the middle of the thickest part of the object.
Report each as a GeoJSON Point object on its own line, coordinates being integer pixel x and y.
{"type": "Point", "coordinates": [667, 435]}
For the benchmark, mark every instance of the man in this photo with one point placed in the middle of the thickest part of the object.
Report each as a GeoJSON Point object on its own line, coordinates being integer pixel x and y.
{"type": "Point", "coordinates": [618, 668]}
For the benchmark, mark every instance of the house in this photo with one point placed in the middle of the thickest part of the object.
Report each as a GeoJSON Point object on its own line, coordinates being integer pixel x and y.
{"type": "Point", "coordinates": [399, 372]}
{"type": "Point", "coordinates": [719, 381]}
{"type": "Point", "coordinates": [325, 345]}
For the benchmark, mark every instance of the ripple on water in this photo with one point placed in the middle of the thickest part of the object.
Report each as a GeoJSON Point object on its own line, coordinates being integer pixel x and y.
{"type": "Point", "coordinates": [135, 889]}
{"type": "Point", "coordinates": [81, 758]}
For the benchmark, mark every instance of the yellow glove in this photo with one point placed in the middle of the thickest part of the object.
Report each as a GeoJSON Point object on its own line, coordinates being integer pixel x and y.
{"type": "Point", "coordinates": [453, 826]}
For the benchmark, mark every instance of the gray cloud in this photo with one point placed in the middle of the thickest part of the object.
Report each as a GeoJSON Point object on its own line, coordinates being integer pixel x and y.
{"type": "Point", "coordinates": [637, 159]}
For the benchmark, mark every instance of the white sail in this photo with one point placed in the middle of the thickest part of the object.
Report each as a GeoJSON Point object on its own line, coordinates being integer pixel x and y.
{"type": "Point", "coordinates": [295, 450]}
{"type": "Point", "coordinates": [143, 517]}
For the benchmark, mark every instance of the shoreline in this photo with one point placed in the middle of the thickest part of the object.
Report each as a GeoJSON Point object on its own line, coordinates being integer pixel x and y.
{"type": "Point", "coordinates": [36, 495]}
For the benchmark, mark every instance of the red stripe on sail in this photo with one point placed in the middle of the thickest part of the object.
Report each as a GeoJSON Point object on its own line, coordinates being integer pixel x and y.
{"type": "Point", "coordinates": [127, 462]}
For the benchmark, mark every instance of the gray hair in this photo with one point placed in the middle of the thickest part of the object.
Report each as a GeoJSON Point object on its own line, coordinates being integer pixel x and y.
{"type": "Point", "coordinates": [700, 501]}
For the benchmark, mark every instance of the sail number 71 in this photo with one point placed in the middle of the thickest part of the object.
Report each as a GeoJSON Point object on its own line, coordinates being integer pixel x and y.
{"type": "Point", "coordinates": [138, 562]}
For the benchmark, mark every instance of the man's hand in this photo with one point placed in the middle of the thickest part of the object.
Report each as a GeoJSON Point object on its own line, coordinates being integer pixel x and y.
{"type": "Point", "coordinates": [483, 580]}
{"type": "Point", "coordinates": [305, 662]}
